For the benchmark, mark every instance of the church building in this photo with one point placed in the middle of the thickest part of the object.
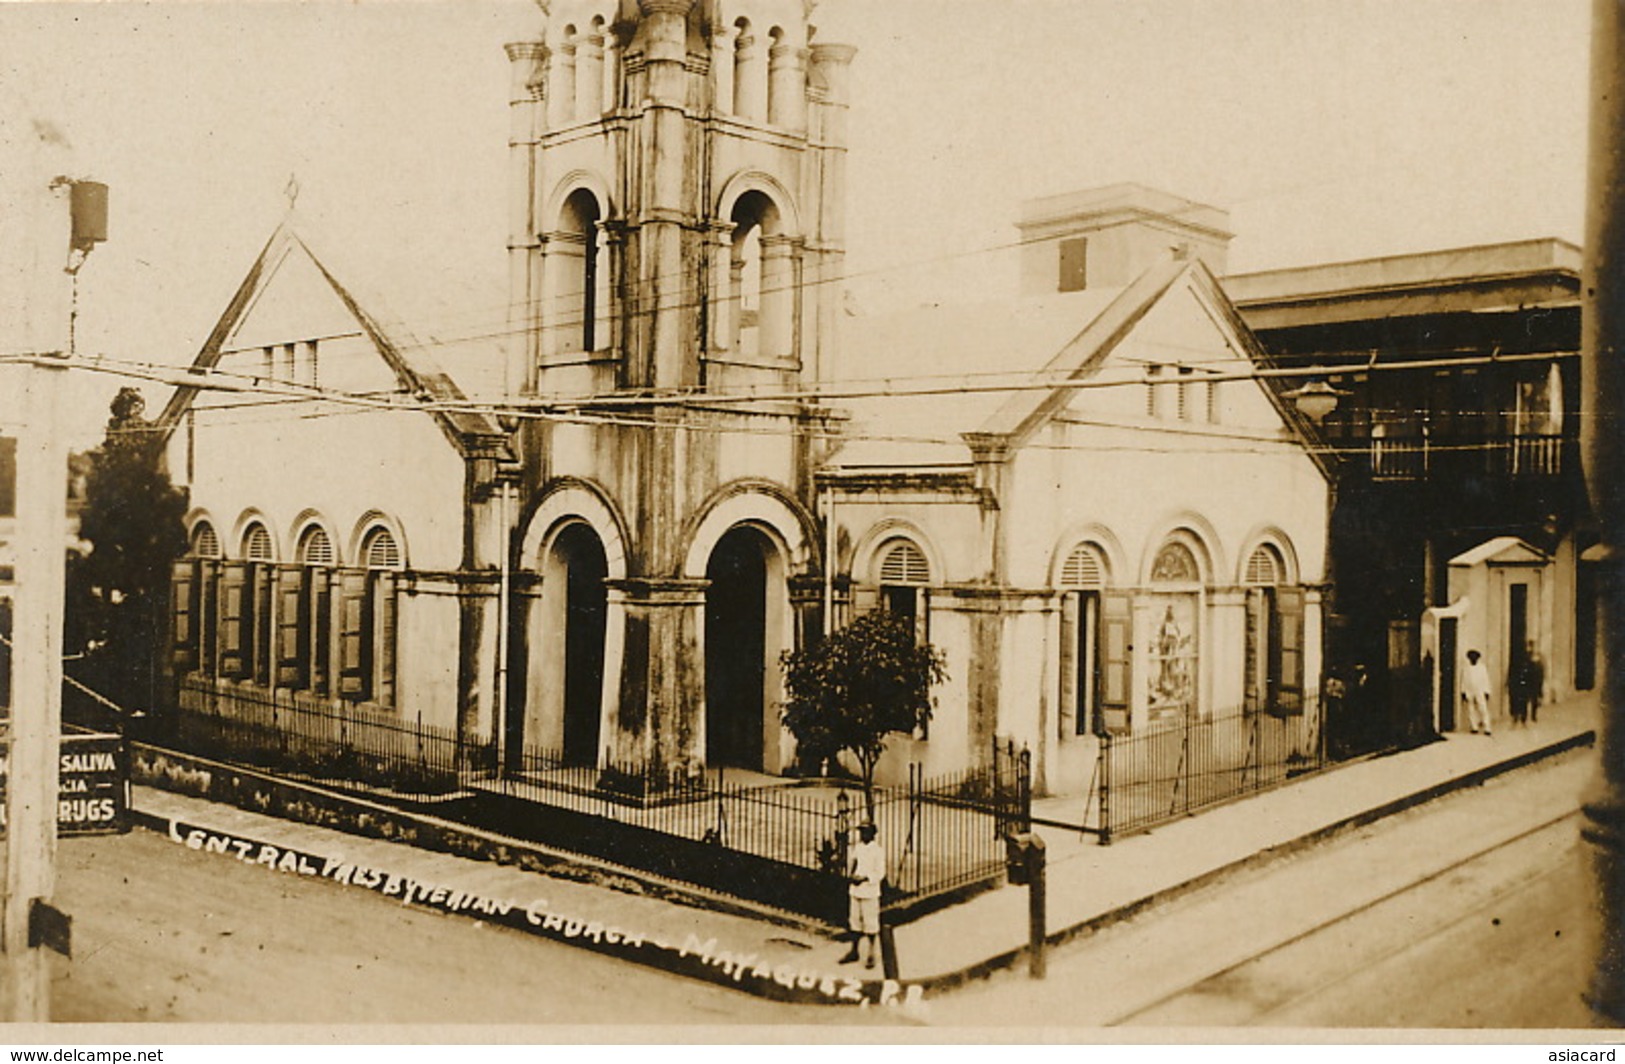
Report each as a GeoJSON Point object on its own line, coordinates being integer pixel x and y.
{"type": "Point", "coordinates": [701, 459]}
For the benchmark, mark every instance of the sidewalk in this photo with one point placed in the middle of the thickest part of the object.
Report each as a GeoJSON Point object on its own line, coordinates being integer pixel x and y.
{"type": "Point", "coordinates": [1088, 885]}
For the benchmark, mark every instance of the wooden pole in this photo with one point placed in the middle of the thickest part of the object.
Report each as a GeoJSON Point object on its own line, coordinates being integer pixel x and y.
{"type": "Point", "coordinates": [1601, 405]}
{"type": "Point", "coordinates": [36, 679]}
{"type": "Point", "coordinates": [36, 696]}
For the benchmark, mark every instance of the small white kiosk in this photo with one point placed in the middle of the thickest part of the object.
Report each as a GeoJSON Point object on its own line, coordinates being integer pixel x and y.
{"type": "Point", "coordinates": [1500, 598]}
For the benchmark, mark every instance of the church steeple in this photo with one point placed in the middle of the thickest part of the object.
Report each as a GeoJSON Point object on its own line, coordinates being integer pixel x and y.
{"type": "Point", "coordinates": [677, 169]}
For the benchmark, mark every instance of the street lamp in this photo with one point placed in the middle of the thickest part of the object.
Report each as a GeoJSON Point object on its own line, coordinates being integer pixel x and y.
{"type": "Point", "coordinates": [1315, 399]}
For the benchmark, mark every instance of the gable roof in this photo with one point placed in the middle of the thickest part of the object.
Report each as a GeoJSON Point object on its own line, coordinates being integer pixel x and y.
{"type": "Point", "coordinates": [1501, 550]}
{"type": "Point", "coordinates": [1062, 339]}
{"type": "Point", "coordinates": [472, 433]}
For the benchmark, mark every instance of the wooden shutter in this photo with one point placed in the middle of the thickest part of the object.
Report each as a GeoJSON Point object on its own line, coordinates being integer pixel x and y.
{"type": "Point", "coordinates": [264, 634]}
{"type": "Point", "coordinates": [208, 616]}
{"type": "Point", "coordinates": [291, 668]}
{"type": "Point", "coordinates": [1289, 611]}
{"type": "Point", "coordinates": [183, 590]}
{"type": "Point", "coordinates": [353, 625]}
{"type": "Point", "coordinates": [320, 631]}
{"type": "Point", "coordinates": [382, 638]}
{"type": "Point", "coordinates": [1252, 694]}
{"type": "Point", "coordinates": [234, 619]}
{"type": "Point", "coordinates": [1067, 718]}
{"type": "Point", "coordinates": [1116, 658]}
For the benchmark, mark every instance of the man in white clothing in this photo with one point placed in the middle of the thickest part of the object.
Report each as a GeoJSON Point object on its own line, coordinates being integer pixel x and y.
{"type": "Point", "coordinates": [865, 868]}
{"type": "Point", "coordinates": [1475, 692]}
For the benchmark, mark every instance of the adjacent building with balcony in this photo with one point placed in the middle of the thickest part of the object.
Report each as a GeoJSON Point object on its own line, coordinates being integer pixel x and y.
{"type": "Point", "coordinates": [1460, 518]}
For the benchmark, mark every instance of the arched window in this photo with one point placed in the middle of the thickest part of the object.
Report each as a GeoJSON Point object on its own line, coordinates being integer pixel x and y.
{"type": "Point", "coordinates": [193, 596]}
{"type": "Point", "coordinates": [578, 253]}
{"type": "Point", "coordinates": [1173, 683]}
{"type": "Point", "coordinates": [1274, 654]}
{"type": "Point", "coordinates": [762, 288]}
{"type": "Point", "coordinates": [904, 575]}
{"type": "Point", "coordinates": [368, 622]}
{"type": "Point", "coordinates": [1095, 651]}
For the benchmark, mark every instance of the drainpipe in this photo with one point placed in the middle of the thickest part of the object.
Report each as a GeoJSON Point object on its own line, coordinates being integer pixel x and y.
{"type": "Point", "coordinates": [829, 558]}
{"type": "Point", "coordinates": [510, 428]}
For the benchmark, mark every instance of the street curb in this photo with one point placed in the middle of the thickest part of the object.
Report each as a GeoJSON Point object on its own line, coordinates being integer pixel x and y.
{"type": "Point", "coordinates": [741, 971]}
{"type": "Point", "coordinates": [1100, 921]}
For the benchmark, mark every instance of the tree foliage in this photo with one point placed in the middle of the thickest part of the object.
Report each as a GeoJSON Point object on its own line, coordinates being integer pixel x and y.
{"type": "Point", "coordinates": [134, 522]}
{"type": "Point", "coordinates": [854, 688]}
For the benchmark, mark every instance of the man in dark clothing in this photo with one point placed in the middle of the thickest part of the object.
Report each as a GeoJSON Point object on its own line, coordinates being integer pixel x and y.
{"type": "Point", "coordinates": [1528, 680]}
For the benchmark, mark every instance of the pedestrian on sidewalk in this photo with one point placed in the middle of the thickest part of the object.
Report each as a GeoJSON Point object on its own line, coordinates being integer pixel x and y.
{"type": "Point", "coordinates": [1525, 685]}
{"type": "Point", "coordinates": [1475, 692]}
{"type": "Point", "coordinates": [865, 869]}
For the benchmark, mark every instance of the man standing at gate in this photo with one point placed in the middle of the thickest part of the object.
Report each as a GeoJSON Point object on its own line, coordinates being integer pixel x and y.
{"type": "Point", "coordinates": [865, 869]}
{"type": "Point", "coordinates": [1527, 682]}
{"type": "Point", "coordinates": [1475, 691]}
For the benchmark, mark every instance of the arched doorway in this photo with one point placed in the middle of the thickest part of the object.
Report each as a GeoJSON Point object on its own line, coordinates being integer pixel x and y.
{"type": "Point", "coordinates": [585, 602]}
{"type": "Point", "coordinates": [736, 649]}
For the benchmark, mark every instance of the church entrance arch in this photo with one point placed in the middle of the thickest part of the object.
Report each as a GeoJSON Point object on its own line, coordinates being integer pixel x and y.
{"type": "Point", "coordinates": [566, 648]}
{"type": "Point", "coordinates": [736, 644]}
{"type": "Point", "coordinates": [581, 556]}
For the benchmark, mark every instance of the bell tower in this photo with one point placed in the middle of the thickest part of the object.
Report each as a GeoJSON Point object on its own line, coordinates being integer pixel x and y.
{"type": "Point", "coordinates": [676, 205]}
{"type": "Point", "coordinates": [676, 232]}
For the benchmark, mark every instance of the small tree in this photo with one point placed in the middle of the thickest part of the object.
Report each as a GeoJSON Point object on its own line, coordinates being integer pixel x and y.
{"type": "Point", "coordinates": [133, 519]}
{"type": "Point", "coordinates": [856, 686]}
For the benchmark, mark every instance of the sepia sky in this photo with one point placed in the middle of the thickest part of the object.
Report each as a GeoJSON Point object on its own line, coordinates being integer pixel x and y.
{"type": "Point", "coordinates": [1330, 129]}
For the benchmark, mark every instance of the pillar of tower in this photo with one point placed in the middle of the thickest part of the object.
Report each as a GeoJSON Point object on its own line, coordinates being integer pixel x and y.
{"type": "Point", "coordinates": [750, 80]}
{"type": "Point", "coordinates": [787, 87]}
{"type": "Point", "coordinates": [589, 102]}
{"type": "Point", "coordinates": [826, 260]}
{"type": "Point", "coordinates": [721, 307]}
{"type": "Point", "coordinates": [561, 85]}
{"type": "Point", "coordinates": [722, 70]}
{"type": "Point", "coordinates": [525, 59]}
{"type": "Point", "coordinates": [661, 356]}
{"type": "Point", "coordinates": [659, 715]}
{"type": "Point", "coordinates": [778, 305]}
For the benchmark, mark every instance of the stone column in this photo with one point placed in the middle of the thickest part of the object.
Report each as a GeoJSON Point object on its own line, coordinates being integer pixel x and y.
{"type": "Point", "coordinates": [722, 70]}
{"type": "Point", "coordinates": [660, 708]}
{"type": "Point", "coordinates": [665, 279]}
{"type": "Point", "coordinates": [776, 328]}
{"type": "Point", "coordinates": [831, 71]}
{"type": "Point", "coordinates": [559, 314]}
{"type": "Point", "coordinates": [525, 60]}
{"type": "Point", "coordinates": [787, 87]}
{"type": "Point", "coordinates": [750, 80]}
{"type": "Point", "coordinates": [720, 299]}
{"type": "Point", "coordinates": [589, 95]}
{"type": "Point", "coordinates": [561, 85]}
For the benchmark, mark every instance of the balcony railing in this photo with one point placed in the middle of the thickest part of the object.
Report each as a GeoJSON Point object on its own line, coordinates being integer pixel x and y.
{"type": "Point", "coordinates": [1419, 456]}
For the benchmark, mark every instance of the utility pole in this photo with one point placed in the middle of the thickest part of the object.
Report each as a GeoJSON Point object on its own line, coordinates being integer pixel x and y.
{"type": "Point", "coordinates": [1602, 405]}
{"type": "Point", "coordinates": [61, 232]}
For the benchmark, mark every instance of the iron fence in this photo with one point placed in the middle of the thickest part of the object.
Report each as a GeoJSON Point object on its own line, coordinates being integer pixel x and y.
{"type": "Point", "coordinates": [947, 831]}
{"type": "Point", "coordinates": [284, 733]}
{"type": "Point", "coordinates": [940, 832]}
{"type": "Point", "coordinates": [1170, 771]}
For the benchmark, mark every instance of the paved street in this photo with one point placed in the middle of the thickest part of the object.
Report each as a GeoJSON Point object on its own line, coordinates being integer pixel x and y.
{"type": "Point", "coordinates": [1468, 912]}
{"type": "Point", "coordinates": [163, 933]}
